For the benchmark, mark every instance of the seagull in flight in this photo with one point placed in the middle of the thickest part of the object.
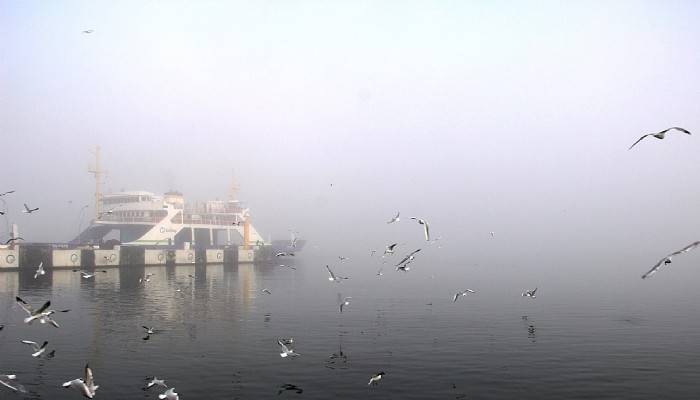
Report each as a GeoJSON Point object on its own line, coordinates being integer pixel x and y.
{"type": "Point", "coordinates": [88, 31]}
{"type": "Point", "coordinates": [344, 302]}
{"type": "Point", "coordinates": [459, 294]}
{"type": "Point", "coordinates": [5, 381]}
{"type": "Point", "coordinates": [169, 395]}
{"type": "Point", "coordinates": [266, 291]}
{"type": "Point", "coordinates": [342, 259]}
{"type": "Point", "coordinates": [390, 248]}
{"type": "Point", "coordinates": [395, 218]}
{"type": "Point", "coordinates": [28, 210]}
{"type": "Point", "coordinates": [286, 351]}
{"type": "Point", "coordinates": [86, 385]}
{"type": "Point", "coordinates": [493, 234]}
{"type": "Point", "coordinates": [147, 278]}
{"type": "Point", "coordinates": [375, 378]}
{"type": "Point", "coordinates": [85, 274]}
{"type": "Point", "coordinates": [155, 381]}
{"type": "Point", "coordinates": [33, 314]}
{"type": "Point", "coordinates": [12, 240]}
{"type": "Point", "coordinates": [426, 228]}
{"type": "Point", "coordinates": [38, 350]}
{"type": "Point", "coordinates": [284, 254]}
{"type": "Point", "coordinates": [667, 260]}
{"type": "Point", "coordinates": [46, 317]}
{"type": "Point", "coordinates": [660, 135]}
{"type": "Point", "coordinates": [529, 293]}
{"type": "Point", "coordinates": [287, 266]}
{"type": "Point", "coordinates": [409, 258]}
{"type": "Point", "coordinates": [333, 277]}
{"type": "Point", "coordinates": [39, 270]}
{"type": "Point", "coordinates": [3, 194]}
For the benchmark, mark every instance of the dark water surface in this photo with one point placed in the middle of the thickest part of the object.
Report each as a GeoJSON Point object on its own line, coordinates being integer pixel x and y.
{"type": "Point", "coordinates": [218, 340]}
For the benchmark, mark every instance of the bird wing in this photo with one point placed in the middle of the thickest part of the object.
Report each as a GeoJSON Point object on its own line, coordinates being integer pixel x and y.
{"type": "Point", "coordinates": [426, 230]}
{"type": "Point", "coordinates": [455, 297]}
{"type": "Point", "coordinates": [26, 207]}
{"type": "Point", "coordinates": [330, 272]}
{"type": "Point", "coordinates": [469, 290]}
{"type": "Point", "coordinates": [678, 128]}
{"type": "Point", "coordinates": [16, 388]}
{"type": "Point", "coordinates": [24, 305]}
{"type": "Point", "coordinates": [284, 347]}
{"type": "Point", "coordinates": [639, 140]}
{"type": "Point", "coordinates": [88, 376]}
{"type": "Point", "coordinates": [34, 345]}
{"type": "Point", "coordinates": [687, 248]}
{"type": "Point", "coordinates": [533, 292]}
{"type": "Point", "coordinates": [43, 308]}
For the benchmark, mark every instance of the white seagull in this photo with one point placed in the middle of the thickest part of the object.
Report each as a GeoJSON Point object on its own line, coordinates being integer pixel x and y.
{"type": "Point", "coordinates": [38, 350]}
{"type": "Point", "coordinates": [33, 314]}
{"type": "Point", "coordinates": [529, 293]}
{"type": "Point", "coordinates": [426, 228]}
{"type": "Point", "coordinates": [28, 210]}
{"type": "Point", "coordinates": [88, 31]}
{"type": "Point", "coordinates": [395, 218]}
{"type": "Point", "coordinates": [286, 351]}
{"type": "Point", "coordinates": [660, 135]}
{"type": "Point", "coordinates": [40, 270]}
{"type": "Point", "coordinates": [464, 293]}
{"type": "Point", "coordinates": [333, 277]}
{"type": "Point", "coordinates": [409, 258]}
{"type": "Point", "coordinates": [169, 395]}
{"type": "Point", "coordinates": [376, 377]}
{"type": "Point", "coordinates": [284, 254]}
{"type": "Point", "coordinates": [667, 260]}
{"type": "Point", "coordinates": [266, 291]}
{"type": "Point", "coordinates": [5, 381]}
{"type": "Point", "coordinates": [86, 385]}
{"type": "Point", "coordinates": [344, 302]}
{"type": "Point", "coordinates": [155, 381]}
{"type": "Point", "coordinates": [390, 248]}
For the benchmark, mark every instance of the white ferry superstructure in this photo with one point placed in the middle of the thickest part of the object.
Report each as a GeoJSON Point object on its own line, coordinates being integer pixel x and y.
{"type": "Point", "coordinates": [144, 218]}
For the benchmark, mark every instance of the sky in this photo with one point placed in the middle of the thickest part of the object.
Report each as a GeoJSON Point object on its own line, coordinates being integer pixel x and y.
{"type": "Point", "coordinates": [479, 116]}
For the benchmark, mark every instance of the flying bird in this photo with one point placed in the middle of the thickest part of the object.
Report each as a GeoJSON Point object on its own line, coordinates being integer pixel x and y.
{"type": "Point", "coordinates": [333, 277]}
{"type": "Point", "coordinates": [28, 210]}
{"type": "Point", "coordinates": [286, 351]}
{"type": "Point", "coordinates": [6, 193]}
{"type": "Point", "coordinates": [32, 313]}
{"type": "Point", "coordinates": [409, 258]}
{"type": "Point", "coordinates": [12, 240]}
{"type": "Point", "coordinates": [660, 135]}
{"type": "Point", "coordinates": [529, 293]}
{"type": "Point", "coordinates": [426, 228]}
{"type": "Point", "coordinates": [376, 377]}
{"type": "Point", "coordinates": [88, 31]}
{"type": "Point", "coordinates": [459, 294]}
{"type": "Point", "coordinates": [266, 291]}
{"type": "Point", "coordinates": [39, 270]}
{"type": "Point", "coordinates": [38, 350]}
{"type": "Point", "coordinates": [344, 302]}
{"type": "Point", "coordinates": [284, 254]}
{"type": "Point", "coordinates": [395, 218]}
{"type": "Point", "coordinates": [286, 266]}
{"type": "Point", "coordinates": [667, 260]}
{"type": "Point", "coordinates": [86, 385]}
{"type": "Point", "coordinates": [155, 381]}
{"type": "Point", "coordinates": [169, 395]}
{"type": "Point", "coordinates": [390, 248]}
{"type": "Point", "coordinates": [342, 259]}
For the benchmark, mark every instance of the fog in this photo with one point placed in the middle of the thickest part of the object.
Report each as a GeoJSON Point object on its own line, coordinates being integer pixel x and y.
{"type": "Point", "coordinates": [511, 117]}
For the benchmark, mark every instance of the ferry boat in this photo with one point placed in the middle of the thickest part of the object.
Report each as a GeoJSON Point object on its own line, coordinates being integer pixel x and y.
{"type": "Point", "coordinates": [146, 219]}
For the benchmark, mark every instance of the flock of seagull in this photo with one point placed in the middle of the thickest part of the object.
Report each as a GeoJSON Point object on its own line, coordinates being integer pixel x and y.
{"type": "Point", "coordinates": [86, 384]}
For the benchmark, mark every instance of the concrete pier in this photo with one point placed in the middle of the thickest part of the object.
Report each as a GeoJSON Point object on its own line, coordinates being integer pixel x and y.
{"type": "Point", "coordinates": [60, 256]}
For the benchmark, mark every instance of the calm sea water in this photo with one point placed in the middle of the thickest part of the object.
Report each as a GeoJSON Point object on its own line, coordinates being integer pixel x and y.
{"type": "Point", "coordinates": [592, 339]}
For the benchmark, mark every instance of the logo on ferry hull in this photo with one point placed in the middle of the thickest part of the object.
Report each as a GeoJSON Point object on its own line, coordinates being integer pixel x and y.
{"type": "Point", "coordinates": [168, 230]}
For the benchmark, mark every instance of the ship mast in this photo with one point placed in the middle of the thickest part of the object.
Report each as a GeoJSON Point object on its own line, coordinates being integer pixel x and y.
{"type": "Point", "coordinates": [97, 171]}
